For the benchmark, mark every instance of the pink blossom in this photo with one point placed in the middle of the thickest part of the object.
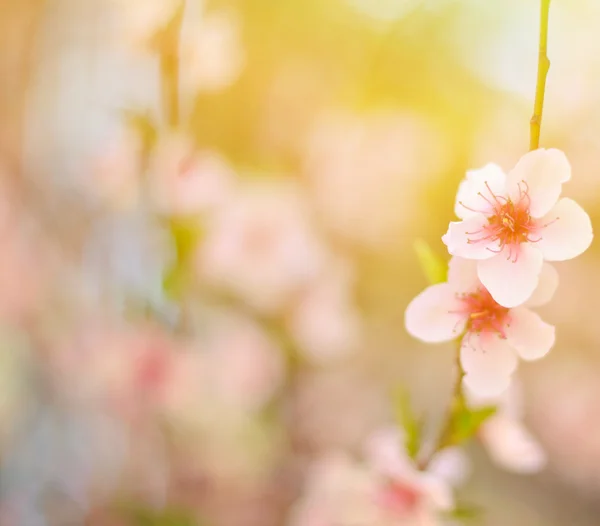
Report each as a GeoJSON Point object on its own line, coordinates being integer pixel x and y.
{"type": "Point", "coordinates": [508, 442]}
{"type": "Point", "coordinates": [117, 172]}
{"type": "Point", "coordinates": [363, 170]}
{"type": "Point", "coordinates": [385, 489]}
{"type": "Point", "coordinates": [495, 336]}
{"type": "Point", "coordinates": [245, 365]}
{"type": "Point", "coordinates": [325, 322]}
{"type": "Point", "coordinates": [262, 245]}
{"type": "Point", "coordinates": [139, 21]}
{"type": "Point", "coordinates": [186, 181]}
{"type": "Point", "coordinates": [511, 223]}
{"type": "Point", "coordinates": [211, 50]}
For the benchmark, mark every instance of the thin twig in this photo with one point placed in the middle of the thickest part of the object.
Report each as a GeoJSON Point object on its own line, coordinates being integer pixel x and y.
{"type": "Point", "coordinates": [455, 400]}
{"type": "Point", "coordinates": [169, 69]}
{"type": "Point", "coordinates": [543, 67]}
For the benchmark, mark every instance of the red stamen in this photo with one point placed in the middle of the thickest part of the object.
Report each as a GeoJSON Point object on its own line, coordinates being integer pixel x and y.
{"type": "Point", "coordinates": [483, 312]}
{"type": "Point", "coordinates": [510, 223]}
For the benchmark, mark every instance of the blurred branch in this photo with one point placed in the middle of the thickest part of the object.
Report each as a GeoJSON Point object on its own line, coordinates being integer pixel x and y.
{"type": "Point", "coordinates": [169, 68]}
{"type": "Point", "coordinates": [543, 67]}
{"type": "Point", "coordinates": [455, 405]}
{"type": "Point", "coordinates": [19, 25]}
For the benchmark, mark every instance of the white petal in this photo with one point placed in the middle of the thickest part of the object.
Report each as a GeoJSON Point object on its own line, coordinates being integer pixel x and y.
{"type": "Point", "coordinates": [512, 280]}
{"type": "Point", "coordinates": [529, 334]}
{"type": "Point", "coordinates": [488, 362]}
{"type": "Point", "coordinates": [438, 491]}
{"type": "Point", "coordinates": [467, 239]}
{"type": "Point", "coordinates": [540, 175]}
{"type": "Point", "coordinates": [462, 274]}
{"type": "Point", "coordinates": [511, 446]}
{"type": "Point", "coordinates": [432, 316]}
{"type": "Point", "coordinates": [568, 232]}
{"type": "Point", "coordinates": [450, 464]}
{"type": "Point", "coordinates": [547, 285]}
{"type": "Point", "coordinates": [477, 191]}
{"type": "Point", "coordinates": [385, 453]}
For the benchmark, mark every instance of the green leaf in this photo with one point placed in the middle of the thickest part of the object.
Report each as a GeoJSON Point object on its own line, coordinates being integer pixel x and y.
{"type": "Point", "coordinates": [407, 420]}
{"type": "Point", "coordinates": [141, 516]}
{"type": "Point", "coordinates": [143, 124]}
{"type": "Point", "coordinates": [466, 422]}
{"type": "Point", "coordinates": [466, 513]}
{"type": "Point", "coordinates": [433, 266]}
{"type": "Point", "coordinates": [186, 235]}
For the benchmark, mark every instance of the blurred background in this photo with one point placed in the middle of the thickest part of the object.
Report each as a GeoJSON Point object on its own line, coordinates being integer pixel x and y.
{"type": "Point", "coordinates": [177, 349]}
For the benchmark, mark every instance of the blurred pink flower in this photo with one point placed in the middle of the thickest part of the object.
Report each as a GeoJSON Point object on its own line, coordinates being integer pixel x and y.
{"type": "Point", "coordinates": [211, 51]}
{"type": "Point", "coordinates": [511, 223]}
{"type": "Point", "coordinates": [244, 367]}
{"type": "Point", "coordinates": [565, 410]}
{"type": "Point", "coordinates": [509, 444]}
{"type": "Point", "coordinates": [384, 490]}
{"type": "Point", "coordinates": [325, 322]}
{"type": "Point", "coordinates": [495, 335]}
{"type": "Point", "coordinates": [184, 181]}
{"type": "Point", "coordinates": [365, 170]}
{"type": "Point", "coordinates": [139, 21]}
{"type": "Point", "coordinates": [125, 369]}
{"type": "Point", "coordinates": [116, 173]}
{"type": "Point", "coordinates": [261, 244]}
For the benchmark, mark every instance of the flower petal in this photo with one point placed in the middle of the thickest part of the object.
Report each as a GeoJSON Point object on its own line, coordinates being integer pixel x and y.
{"type": "Point", "coordinates": [466, 239]}
{"type": "Point", "coordinates": [385, 453]}
{"type": "Point", "coordinates": [476, 193]}
{"type": "Point", "coordinates": [512, 281]}
{"type": "Point", "coordinates": [547, 285]}
{"type": "Point", "coordinates": [462, 274]}
{"type": "Point", "coordinates": [529, 334]}
{"type": "Point", "coordinates": [511, 446]}
{"type": "Point", "coordinates": [568, 231]}
{"type": "Point", "coordinates": [488, 362]}
{"type": "Point", "coordinates": [451, 465]}
{"type": "Point", "coordinates": [539, 175]}
{"type": "Point", "coordinates": [433, 315]}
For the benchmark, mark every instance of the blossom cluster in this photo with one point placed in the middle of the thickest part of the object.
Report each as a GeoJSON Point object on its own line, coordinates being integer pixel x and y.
{"type": "Point", "coordinates": [510, 226]}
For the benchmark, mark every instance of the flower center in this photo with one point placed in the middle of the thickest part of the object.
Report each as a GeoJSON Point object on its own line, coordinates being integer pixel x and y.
{"type": "Point", "coordinates": [399, 498]}
{"type": "Point", "coordinates": [509, 222]}
{"type": "Point", "coordinates": [484, 313]}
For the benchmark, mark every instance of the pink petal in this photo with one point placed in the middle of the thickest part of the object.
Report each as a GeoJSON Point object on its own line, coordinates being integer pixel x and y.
{"type": "Point", "coordinates": [511, 446]}
{"type": "Point", "coordinates": [529, 334]}
{"type": "Point", "coordinates": [510, 281]}
{"type": "Point", "coordinates": [385, 453]}
{"type": "Point", "coordinates": [546, 288]}
{"type": "Point", "coordinates": [477, 191]}
{"type": "Point", "coordinates": [488, 362]}
{"type": "Point", "coordinates": [509, 403]}
{"type": "Point", "coordinates": [432, 316]}
{"type": "Point", "coordinates": [439, 494]}
{"type": "Point", "coordinates": [466, 239]}
{"type": "Point", "coordinates": [540, 174]}
{"type": "Point", "coordinates": [451, 465]}
{"type": "Point", "coordinates": [568, 232]}
{"type": "Point", "coordinates": [462, 274]}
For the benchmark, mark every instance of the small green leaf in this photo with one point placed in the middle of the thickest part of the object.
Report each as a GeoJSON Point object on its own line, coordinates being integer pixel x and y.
{"type": "Point", "coordinates": [143, 124]}
{"type": "Point", "coordinates": [466, 422]}
{"type": "Point", "coordinates": [432, 265]}
{"type": "Point", "coordinates": [186, 234]}
{"type": "Point", "coordinates": [466, 513]}
{"type": "Point", "coordinates": [140, 516]}
{"type": "Point", "coordinates": [407, 420]}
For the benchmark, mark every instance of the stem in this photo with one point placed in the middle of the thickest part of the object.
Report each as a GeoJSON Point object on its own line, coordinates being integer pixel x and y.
{"type": "Point", "coordinates": [542, 73]}
{"type": "Point", "coordinates": [455, 400]}
{"type": "Point", "coordinates": [169, 69]}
